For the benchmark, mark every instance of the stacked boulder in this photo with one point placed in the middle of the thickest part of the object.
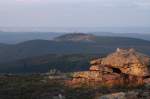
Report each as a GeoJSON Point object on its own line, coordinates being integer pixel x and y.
{"type": "Point", "coordinates": [124, 66]}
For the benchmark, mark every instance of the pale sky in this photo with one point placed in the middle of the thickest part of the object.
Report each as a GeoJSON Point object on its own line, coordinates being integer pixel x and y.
{"type": "Point", "coordinates": [74, 13]}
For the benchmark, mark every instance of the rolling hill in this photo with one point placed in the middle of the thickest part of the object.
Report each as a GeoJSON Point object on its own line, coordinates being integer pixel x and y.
{"type": "Point", "coordinates": [68, 44]}
{"type": "Point", "coordinates": [40, 64]}
{"type": "Point", "coordinates": [76, 37]}
{"type": "Point", "coordinates": [18, 37]}
{"type": "Point", "coordinates": [98, 44]}
{"type": "Point", "coordinates": [144, 36]}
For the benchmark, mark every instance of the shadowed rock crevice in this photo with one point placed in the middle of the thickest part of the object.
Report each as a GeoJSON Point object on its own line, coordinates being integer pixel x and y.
{"type": "Point", "coordinates": [116, 70]}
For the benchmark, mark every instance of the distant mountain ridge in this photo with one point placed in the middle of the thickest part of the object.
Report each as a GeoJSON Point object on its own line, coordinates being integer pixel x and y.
{"type": "Point", "coordinates": [82, 37]}
{"type": "Point", "coordinates": [143, 36]}
{"type": "Point", "coordinates": [18, 37]}
{"type": "Point", "coordinates": [70, 44]}
{"type": "Point", "coordinates": [68, 53]}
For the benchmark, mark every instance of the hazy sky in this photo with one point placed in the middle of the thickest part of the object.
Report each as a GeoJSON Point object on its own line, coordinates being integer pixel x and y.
{"type": "Point", "coordinates": [75, 13]}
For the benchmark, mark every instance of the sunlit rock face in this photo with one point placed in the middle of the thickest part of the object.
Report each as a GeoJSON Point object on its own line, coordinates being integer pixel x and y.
{"type": "Point", "coordinates": [128, 61]}
{"type": "Point", "coordinates": [89, 75]}
{"type": "Point", "coordinates": [124, 66]}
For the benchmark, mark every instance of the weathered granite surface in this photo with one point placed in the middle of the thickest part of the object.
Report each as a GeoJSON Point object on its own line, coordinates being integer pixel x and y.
{"type": "Point", "coordinates": [124, 66]}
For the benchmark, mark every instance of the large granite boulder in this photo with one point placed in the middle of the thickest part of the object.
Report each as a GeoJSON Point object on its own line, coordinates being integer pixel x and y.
{"type": "Point", "coordinates": [125, 66]}
{"type": "Point", "coordinates": [128, 61]}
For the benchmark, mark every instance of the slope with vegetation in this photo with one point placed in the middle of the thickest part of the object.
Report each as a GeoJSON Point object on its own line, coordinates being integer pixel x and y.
{"type": "Point", "coordinates": [18, 57]}
{"type": "Point", "coordinates": [98, 44]}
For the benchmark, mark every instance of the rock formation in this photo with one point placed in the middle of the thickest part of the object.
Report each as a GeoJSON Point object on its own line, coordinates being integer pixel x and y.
{"type": "Point", "coordinates": [129, 62]}
{"type": "Point", "coordinates": [125, 66]}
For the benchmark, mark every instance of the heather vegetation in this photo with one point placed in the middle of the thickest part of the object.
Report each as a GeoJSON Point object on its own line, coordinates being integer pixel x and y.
{"type": "Point", "coordinates": [37, 86]}
{"type": "Point", "coordinates": [69, 52]}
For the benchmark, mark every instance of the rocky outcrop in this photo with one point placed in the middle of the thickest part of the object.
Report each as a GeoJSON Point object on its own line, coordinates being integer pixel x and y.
{"type": "Point", "coordinates": [125, 66]}
{"type": "Point", "coordinates": [88, 75]}
{"type": "Point", "coordinates": [129, 62]}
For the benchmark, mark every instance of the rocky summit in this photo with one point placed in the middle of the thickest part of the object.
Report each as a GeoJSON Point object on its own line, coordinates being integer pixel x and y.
{"type": "Point", "coordinates": [123, 67]}
{"type": "Point", "coordinates": [77, 37]}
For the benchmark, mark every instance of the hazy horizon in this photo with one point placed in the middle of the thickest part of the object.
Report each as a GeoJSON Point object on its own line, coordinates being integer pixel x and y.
{"type": "Point", "coordinates": [75, 13]}
{"type": "Point", "coordinates": [143, 30]}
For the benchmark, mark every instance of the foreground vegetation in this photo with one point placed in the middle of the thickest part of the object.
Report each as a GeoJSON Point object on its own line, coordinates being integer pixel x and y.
{"type": "Point", "coordinates": [38, 86]}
